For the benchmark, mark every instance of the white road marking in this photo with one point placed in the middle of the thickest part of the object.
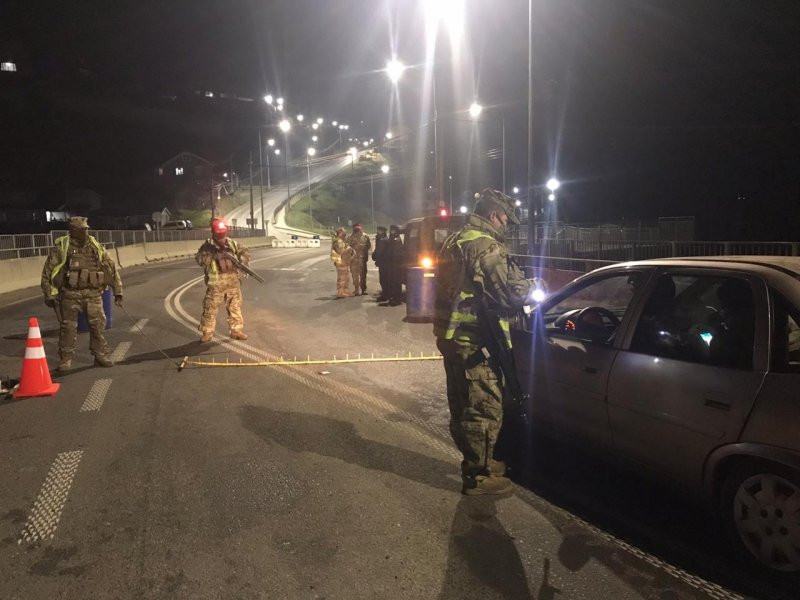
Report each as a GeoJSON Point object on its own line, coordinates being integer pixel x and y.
{"type": "Point", "coordinates": [139, 326]}
{"type": "Point", "coordinates": [94, 400]}
{"type": "Point", "coordinates": [46, 511]}
{"type": "Point", "coordinates": [120, 351]}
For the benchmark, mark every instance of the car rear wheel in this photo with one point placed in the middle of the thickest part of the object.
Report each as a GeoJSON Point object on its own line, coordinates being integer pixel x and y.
{"type": "Point", "coordinates": [761, 511]}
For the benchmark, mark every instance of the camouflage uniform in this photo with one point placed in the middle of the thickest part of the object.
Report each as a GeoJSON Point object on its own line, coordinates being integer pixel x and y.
{"type": "Point", "coordinates": [341, 255]}
{"type": "Point", "coordinates": [475, 261]}
{"type": "Point", "coordinates": [76, 272]}
{"type": "Point", "coordinates": [360, 243]}
{"type": "Point", "coordinates": [222, 281]}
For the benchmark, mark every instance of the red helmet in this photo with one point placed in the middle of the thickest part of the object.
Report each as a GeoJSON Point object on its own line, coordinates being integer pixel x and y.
{"type": "Point", "coordinates": [218, 229]}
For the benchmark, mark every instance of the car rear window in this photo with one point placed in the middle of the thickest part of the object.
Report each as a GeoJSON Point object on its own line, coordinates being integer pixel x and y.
{"type": "Point", "coordinates": [785, 351]}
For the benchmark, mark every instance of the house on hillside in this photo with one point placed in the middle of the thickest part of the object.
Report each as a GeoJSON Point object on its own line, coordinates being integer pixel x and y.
{"type": "Point", "coordinates": [185, 180]}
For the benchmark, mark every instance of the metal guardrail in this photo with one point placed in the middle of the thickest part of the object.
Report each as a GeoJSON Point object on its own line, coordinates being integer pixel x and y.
{"type": "Point", "coordinates": [642, 250]}
{"type": "Point", "coordinates": [39, 244]}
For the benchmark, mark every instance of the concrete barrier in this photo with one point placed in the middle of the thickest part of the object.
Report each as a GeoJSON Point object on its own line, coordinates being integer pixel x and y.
{"type": "Point", "coordinates": [291, 243]}
{"type": "Point", "coordinates": [19, 273]}
{"type": "Point", "coordinates": [301, 243]}
{"type": "Point", "coordinates": [313, 243]}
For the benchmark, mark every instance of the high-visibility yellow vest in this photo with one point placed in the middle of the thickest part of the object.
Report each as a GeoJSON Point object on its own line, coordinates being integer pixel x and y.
{"type": "Point", "coordinates": [62, 244]}
{"type": "Point", "coordinates": [456, 317]}
{"type": "Point", "coordinates": [213, 269]}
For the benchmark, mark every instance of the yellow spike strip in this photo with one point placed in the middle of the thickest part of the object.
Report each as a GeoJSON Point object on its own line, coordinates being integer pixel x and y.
{"type": "Point", "coordinates": [288, 363]}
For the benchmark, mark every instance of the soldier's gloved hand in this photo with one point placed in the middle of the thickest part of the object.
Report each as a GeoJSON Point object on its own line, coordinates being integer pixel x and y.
{"type": "Point", "coordinates": [50, 302]}
{"type": "Point", "coordinates": [118, 299]}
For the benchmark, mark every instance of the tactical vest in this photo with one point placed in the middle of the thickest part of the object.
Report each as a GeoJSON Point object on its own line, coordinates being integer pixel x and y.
{"type": "Point", "coordinates": [213, 269]}
{"type": "Point", "coordinates": [455, 310]}
{"type": "Point", "coordinates": [85, 269]}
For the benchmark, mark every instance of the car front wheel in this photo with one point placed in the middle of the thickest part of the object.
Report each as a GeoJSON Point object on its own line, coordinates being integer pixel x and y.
{"type": "Point", "coordinates": [761, 511]}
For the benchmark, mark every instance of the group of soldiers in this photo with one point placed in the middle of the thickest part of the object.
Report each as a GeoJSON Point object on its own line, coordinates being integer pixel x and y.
{"type": "Point", "coordinates": [474, 270]}
{"type": "Point", "coordinates": [350, 254]}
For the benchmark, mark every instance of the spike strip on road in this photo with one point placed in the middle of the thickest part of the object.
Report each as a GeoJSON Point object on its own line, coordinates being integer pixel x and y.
{"type": "Point", "coordinates": [97, 395]}
{"type": "Point", "coordinates": [432, 435]}
{"type": "Point", "coordinates": [293, 363]}
{"type": "Point", "coordinates": [46, 512]}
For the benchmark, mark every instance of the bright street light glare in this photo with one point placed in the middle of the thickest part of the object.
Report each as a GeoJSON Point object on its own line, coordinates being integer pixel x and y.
{"type": "Point", "coordinates": [315, 126]}
{"type": "Point", "coordinates": [553, 184]}
{"type": "Point", "coordinates": [341, 127]}
{"type": "Point", "coordinates": [314, 138]}
{"type": "Point", "coordinates": [334, 123]}
{"type": "Point", "coordinates": [394, 70]}
{"type": "Point", "coordinates": [366, 143]}
{"type": "Point", "coordinates": [270, 142]}
{"type": "Point", "coordinates": [515, 189]}
{"type": "Point", "coordinates": [300, 118]}
{"type": "Point", "coordinates": [353, 151]}
{"type": "Point", "coordinates": [277, 151]}
{"type": "Point", "coordinates": [268, 98]}
{"type": "Point", "coordinates": [285, 126]}
{"type": "Point", "coordinates": [475, 110]}
{"type": "Point", "coordinates": [280, 100]}
{"type": "Point", "coordinates": [463, 210]}
{"type": "Point", "coordinates": [518, 203]}
{"type": "Point", "coordinates": [385, 169]}
{"type": "Point", "coordinates": [320, 120]}
{"type": "Point", "coordinates": [389, 135]}
{"type": "Point", "coordinates": [551, 197]}
{"type": "Point", "coordinates": [311, 151]}
{"type": "Point", "coordinates": [449, 12]}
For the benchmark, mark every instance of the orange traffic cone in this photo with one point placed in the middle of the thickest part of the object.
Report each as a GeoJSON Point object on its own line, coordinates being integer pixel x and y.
{"type": "Point", "coordinates": [35, 379]}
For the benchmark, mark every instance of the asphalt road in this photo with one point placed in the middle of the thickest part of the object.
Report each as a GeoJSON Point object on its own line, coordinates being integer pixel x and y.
{"type": "Point", "coordinates": [323, 481]}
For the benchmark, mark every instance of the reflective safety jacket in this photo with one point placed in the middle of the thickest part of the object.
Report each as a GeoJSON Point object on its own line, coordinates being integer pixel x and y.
{"type": "Point", "coordinates": [54, 271]}
{"type": "Point", "coordinates": [475, 261]}
{"type": "Point", "coordinates": [206, 258]}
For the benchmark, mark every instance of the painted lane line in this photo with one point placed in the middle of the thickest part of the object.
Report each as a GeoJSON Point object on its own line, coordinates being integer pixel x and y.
{"type": "Point", "coordinates": [94, 400]}
{"type": "Point", "coordinates": [120, 351]}
{"type": "Point", "coordinates": [139, 326]}
{"type": "Point", "coordinates": [46, 512]}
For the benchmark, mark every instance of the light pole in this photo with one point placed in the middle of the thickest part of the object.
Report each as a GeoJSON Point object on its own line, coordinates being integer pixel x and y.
{"type": "Point", "coordinates": [252, 217]}
{"type": "Point", "coordinates": [309, 153]}
{"type": "Point", "coordinates": [475, 111]}
{"type": "Point", "coordinates": [352, 152]}
{"type": "Point", "coordinates": [270, 143]}
{"type": "Point", "coordinates": [450, 178]}
{"type": "Point", "coordinates": [285, 126]}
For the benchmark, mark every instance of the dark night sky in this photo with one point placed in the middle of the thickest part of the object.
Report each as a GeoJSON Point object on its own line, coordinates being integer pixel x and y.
{"type": "Point", "coordinates": [644, 107]}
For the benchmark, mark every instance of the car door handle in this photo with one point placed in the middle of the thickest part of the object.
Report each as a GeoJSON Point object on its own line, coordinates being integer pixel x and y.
{"type": "Point", "coordinates": [718, 404]}
{"type": "Point", "coordinates": [591, 370]}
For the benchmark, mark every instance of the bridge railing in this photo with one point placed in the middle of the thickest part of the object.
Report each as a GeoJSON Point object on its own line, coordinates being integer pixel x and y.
{"type": "Point", "coordinates": [39, 244]}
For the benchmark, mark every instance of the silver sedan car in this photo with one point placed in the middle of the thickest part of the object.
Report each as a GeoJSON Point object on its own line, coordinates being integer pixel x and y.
{"type": "Point", "coordinates": [690, 369]}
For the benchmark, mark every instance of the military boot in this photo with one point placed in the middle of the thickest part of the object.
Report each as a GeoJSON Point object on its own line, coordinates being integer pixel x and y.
{"type": "Point", "coordinates": [483, 485]}
{"type": "Point", "coordinates": [64, 365]}
{"type": "Point", "coordinates": [238, 335]}
{"type": "Point", "coordinates": [206, 337]}
{"type": "Point", "coordinates": [101, 360]}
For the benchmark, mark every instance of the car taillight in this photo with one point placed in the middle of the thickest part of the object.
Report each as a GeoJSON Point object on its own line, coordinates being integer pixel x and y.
{"type": "Point", "coordinates": [426, 262]}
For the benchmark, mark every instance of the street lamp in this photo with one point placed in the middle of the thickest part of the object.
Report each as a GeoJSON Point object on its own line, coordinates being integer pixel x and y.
{"type": "Point", "coordinates": [314, 138]}
{"type": "Point", "coordinates": [515, 189]}
{"type": "Point", "coordinates": [450, 181]}
{"type": "Point", "coordinates": [553, 184]}
{"type": "Point", "coordinates": [384, 170]}
{"type": "Point", "coordinates": [309, 153]}
{"type": "Point", "coordinates": [551, 197]}
{"type": "Point", "coordinates": [475, 110]}
{"type": "Point", "coordinates": [463, 210]}
{"type": "Point", "coordinates": [300, 118]}
{"type": "Point", "coordinates": [394, 70]}
{"type": "Point", "coordinates": [389, 135]}
{"type": "Point", "coordinates": [353, 152]}
{"type": "Point", "coordinates": [285, 126]}
{"type": "Point", "coordinates": [320, 120]}
{"type": "Point", "coordinates": [315, 126]}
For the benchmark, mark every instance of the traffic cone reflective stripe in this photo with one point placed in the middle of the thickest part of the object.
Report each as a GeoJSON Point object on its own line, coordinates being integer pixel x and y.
{"type": "Point", "coordinates": [35, 379]}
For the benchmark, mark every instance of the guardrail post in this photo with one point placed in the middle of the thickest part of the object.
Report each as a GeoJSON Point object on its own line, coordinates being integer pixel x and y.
{"type": "Point", "coordinates": [795, 248]}
{"type": "Point", "coordinates": [726, 248]}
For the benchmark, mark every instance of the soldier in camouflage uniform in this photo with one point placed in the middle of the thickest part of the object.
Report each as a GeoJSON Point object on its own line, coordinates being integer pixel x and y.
{"type": "Point", "coordinates": [222, 281]}
{"type": "Point", "coordinates": [359, 241]}
{"type": "Point", "coordinates": [473, 262]}
{"type": "Point", "coordinates": [76, 272]}
{"type": "Point", "coordinates": [341, 255]}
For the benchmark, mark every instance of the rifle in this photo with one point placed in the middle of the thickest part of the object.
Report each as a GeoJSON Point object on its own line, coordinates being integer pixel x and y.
{"type": "Point", "coordinates": [240, 265]}
{"type": "Point", "coordinates": [494, 340]}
